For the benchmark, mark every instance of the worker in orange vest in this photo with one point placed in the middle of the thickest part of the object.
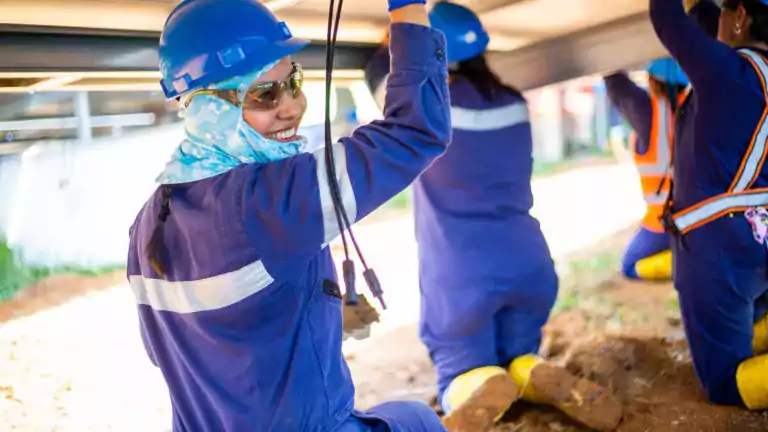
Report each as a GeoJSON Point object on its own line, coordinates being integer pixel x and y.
{"type": "Point", "coordinates": [651, 114]}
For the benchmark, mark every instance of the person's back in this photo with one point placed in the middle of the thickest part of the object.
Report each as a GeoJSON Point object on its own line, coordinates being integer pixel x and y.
{"type": "Point", "coordinates": [488, 282]}
{"type": "Point", "coordinates": [473, 203]}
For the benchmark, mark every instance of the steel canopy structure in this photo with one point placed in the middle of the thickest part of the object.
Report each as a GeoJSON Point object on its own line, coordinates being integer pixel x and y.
{"type": "Point", "coordinates": [112, 44]}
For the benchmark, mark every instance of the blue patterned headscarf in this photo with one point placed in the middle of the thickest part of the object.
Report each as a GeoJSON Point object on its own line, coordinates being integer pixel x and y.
{"type": "Point", "coordinates": [218, 138]}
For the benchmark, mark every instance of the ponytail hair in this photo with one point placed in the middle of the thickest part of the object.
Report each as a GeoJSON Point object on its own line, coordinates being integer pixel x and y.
{"type": "Point", "coordinates": [155, 250]}
{"type": "Point", "coordinates": [487, 83]}
{"type": "Point", "coordinates": [669, 91]}
{"type": "Point", "coordinates": [758, 11]}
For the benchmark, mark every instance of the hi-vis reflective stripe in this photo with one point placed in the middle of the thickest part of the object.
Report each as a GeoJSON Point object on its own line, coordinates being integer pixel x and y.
{"type": "Point", "coordinates": [753, 160]}
{"type": "Point", "coordinates": [739, 197]}
{"type": "Point", "coordinates": [202, 295]}
{"type": "Point", "coordinates": [330, 223]}
{"type": "Point", "coordinates": [655, 199]}
{"type": "Point", "coordinates": [662, 143]}
{"type": "Point", "coordinates": [489, 119]}
{"type": "Point", "coordinates": [717, 206]}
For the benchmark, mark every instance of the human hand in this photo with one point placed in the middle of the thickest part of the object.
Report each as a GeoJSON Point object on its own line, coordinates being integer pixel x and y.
{"type": "Point", "coordinates": [689, 4]}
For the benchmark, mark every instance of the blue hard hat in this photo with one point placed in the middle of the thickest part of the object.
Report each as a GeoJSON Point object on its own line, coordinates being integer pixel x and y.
{"type": "Point", "coordinates": [207, 41]}
{"type": "Point", "coordinates": [668, 71]}
{"type": "Point", "coordinates": [465, 36]}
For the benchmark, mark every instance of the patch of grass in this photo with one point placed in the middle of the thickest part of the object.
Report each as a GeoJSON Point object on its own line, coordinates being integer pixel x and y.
{"type": "Point", "coordinates": [401, 201]}
{"type": "Point", "coordinates": [672, 306]}
{"type": "Point", "coordinates": [565, 302]}
{"type": "Point", "coordinates": [604, 262]}
{"type": "Point", "coordinates": [15, 275]}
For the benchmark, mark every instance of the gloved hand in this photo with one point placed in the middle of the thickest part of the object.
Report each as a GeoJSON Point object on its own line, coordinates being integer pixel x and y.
{"type": "Point", "coordinates": [397, 4]}
{"type": "Point", "coordinates": [357, 320]}
{"type": "Point", "coordinates": [689, 4]}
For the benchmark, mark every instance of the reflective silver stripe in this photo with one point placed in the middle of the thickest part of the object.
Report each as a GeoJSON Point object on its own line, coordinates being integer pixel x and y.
{"type": "Point", "coordinates": [330, 223]}
{"type": "Point", "coordinates": [489, 119]}
{"type": "Point", "coordinates": [706, 211]}
{"type": "Point", "coordinates": [662, 143]}
{"type": "Point", "coordinates": [201, 295]}
{"type": "Point", "coordinates": [752, 160]}
{"type": "Point", "coordinates": [654, 199]}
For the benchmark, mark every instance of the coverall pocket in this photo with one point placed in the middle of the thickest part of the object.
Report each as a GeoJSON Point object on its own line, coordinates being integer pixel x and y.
{"type": "Point", "coordinates": [324, 319]}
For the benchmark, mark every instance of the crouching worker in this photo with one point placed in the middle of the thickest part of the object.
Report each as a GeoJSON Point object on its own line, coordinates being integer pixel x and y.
{"type": "Point", "coordinates": [237, 295]}
{"type": "Point", "coordinates": [488, 281]}
{"type": "Point", "coordinates": [717, 215]}
{"type": "Point", "coordinates": [651, 115]}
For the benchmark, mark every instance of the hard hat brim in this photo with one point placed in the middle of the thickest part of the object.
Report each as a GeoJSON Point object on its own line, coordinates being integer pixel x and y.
{"type": "Point", "coordinates": [273, 52]}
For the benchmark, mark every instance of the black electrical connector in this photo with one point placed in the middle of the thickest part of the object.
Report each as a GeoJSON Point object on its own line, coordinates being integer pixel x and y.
{"type": "Point", "coordinates": [348, 267]}
{"type": "Point", "coordinates": [342, 220]}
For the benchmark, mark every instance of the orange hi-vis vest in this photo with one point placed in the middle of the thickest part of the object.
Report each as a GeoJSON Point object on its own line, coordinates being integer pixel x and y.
{"type": "Point", "coordinates": [653, 165]}
{"type": "Point", "coordinates": [740, 196]}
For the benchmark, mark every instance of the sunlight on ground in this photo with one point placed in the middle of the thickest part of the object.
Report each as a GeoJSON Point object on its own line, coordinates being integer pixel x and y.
{"type": "Point", "coordinates": [82, 367]}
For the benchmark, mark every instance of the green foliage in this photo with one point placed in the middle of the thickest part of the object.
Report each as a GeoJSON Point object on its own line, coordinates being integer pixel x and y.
{"type": "Point", "coordinates": [15, 275]}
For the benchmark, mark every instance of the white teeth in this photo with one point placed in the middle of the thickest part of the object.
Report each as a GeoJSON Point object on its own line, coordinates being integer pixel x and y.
{"type": "Point", "coordinates": [284, 134]}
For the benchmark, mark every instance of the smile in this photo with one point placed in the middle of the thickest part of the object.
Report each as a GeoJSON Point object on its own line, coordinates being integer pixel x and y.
{"type": "Point", "coordinates": [284, 135]}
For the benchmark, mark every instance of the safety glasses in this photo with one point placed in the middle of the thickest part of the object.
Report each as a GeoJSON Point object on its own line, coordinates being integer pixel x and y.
{"type": "Point", "coordinates": [262, 96]}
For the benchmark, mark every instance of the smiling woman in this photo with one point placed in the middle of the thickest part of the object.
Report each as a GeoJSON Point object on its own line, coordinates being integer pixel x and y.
{"type": "Point", "coordinates": [228, 258]}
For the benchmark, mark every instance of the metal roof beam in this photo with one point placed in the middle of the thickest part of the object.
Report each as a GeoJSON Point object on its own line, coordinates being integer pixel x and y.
{"type": "Point", "coordinates": [620, 44]}
{"type": "Point", "coordinates": [39, 51]}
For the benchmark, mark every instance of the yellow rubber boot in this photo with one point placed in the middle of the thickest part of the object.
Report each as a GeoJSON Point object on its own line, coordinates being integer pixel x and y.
{"type": "Point", "coordinates": [760, 339]}
{"type": "Point", "coordinates": [752, 380]}
{"type": "Point", "coordinates": [476, 400]}
{"type": "Point", "coordinates": [656, 267]}
{"type": "Point", "coordinates": [580, 399]}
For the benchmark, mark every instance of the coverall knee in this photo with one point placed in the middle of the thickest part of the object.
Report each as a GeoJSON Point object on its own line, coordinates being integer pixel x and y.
{"type": "Point", "coordinates": [401, 416]}
{"type": "Point", "coordinates": [644, 244]}
{"type": "Point", "coordinates": [718, 289]}
{"type": "Point", "coordinates": [487, 322]}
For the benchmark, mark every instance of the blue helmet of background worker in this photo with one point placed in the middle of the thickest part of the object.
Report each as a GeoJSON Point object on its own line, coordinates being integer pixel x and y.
{"type": "Point", "coordinates": [464, 33]}
{"type": "Point", "coordinates": [194, 53]}
{"type": "Point", "coordinates": [668, 71]}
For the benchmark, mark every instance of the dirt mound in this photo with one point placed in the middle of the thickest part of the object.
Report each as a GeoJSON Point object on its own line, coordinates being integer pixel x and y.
{"type": "Point", "coordinates": [55, 291]}
{"type": "Point", "coordinates": [656, 382]}
{"type": "Point", "coordinates": [628, 337]}
{"type": "Point", "coordinates": [621, 334]}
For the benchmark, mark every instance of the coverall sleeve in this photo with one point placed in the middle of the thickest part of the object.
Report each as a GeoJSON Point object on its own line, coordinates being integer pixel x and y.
{"type": "Point", "coordinates": [634, 104]}
{"type": "Point", "coordinates": [708, 63]}
{"type": "Point", "coordinates": [287, 206]}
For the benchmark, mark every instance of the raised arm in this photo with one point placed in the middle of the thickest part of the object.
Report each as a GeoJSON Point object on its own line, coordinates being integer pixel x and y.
{"type": "Point", "coordinates": [287, 205]}
{"type": "Point", "coordinates": [707, 62]}
{"type": "Point", "coordinates": [634, 104]}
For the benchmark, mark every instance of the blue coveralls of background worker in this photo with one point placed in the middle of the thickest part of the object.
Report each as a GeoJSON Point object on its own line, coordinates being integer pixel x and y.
{"type": "Point", "coordinates": [488, 281]}
{"type": "Point", "coordinates": [237, 292]}
{"type": "Point", "coordinates": [651, 115]}
{"type": "Point", "coordinates": [719, 180]}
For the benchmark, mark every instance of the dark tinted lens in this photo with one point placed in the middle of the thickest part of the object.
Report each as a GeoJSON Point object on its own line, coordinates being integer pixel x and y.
{"type": "Point", "coordinates": [297, 80]}
{"type": "Point", "coordinates": [262, 97]}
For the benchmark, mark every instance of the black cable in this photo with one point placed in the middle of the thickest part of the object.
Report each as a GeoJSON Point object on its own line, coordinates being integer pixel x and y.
{"type": "Point", "coordinates": [348, 266]}
{"type": "Point", "coordinates": [341, 215]}
{"type": "Point", "coordinates": [329, 160]}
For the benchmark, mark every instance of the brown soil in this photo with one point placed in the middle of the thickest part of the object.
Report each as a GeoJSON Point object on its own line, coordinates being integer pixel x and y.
{"type": "Point", "coordinates": [625, 336]}
{"type": "Point", "coordinates": [54, 291]}
{"type": "Point", "coordinates": [479, 412]}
